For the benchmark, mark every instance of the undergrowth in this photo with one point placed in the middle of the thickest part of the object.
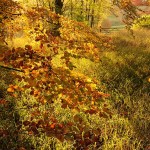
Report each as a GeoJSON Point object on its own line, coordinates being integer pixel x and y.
{"type": "Point", "coordinates": [123, 72]}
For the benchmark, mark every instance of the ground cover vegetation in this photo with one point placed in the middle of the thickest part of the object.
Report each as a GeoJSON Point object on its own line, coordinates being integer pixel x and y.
{"type": "Point", "coordinates": [64, 86]}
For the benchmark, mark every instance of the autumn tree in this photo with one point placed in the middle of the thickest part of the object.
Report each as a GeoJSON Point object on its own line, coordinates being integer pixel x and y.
{"type": "Point", "coordinates": [8, 11]}
{"type": "Point", "coordinates": [91, 12]}
{"type": "Point", "coordinates": [44, 84]}
{"type": "Point", "coordinates": [87, 10]}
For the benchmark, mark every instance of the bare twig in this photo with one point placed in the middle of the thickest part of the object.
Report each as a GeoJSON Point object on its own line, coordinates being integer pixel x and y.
{"type": "Point", "coordinates": [11, 68]}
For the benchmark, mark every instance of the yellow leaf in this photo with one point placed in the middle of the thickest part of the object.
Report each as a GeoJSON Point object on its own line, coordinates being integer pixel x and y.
{"type": "Point", "coordinates": [104, 44]}
{"type": "Point", "coordinates": [27, 72]}
{"type": "Point", "coordinates": [89, 80]}
{"type": "Point", "coordinates": [93, 85]}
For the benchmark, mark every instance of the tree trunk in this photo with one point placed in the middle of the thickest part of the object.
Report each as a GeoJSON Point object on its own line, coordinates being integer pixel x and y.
{"type": "Point", "coordinates": [58, 10]}
{"type": "Point", "coordinates": [58, 6]}
{"type": "Point", "coordinates": [71, 9]}
{"type": "Point", "coordinates": [92, 15]}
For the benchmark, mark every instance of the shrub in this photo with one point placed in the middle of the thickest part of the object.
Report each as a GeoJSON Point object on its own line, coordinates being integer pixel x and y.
{"type": "Point", "coordinates": [142, 22]}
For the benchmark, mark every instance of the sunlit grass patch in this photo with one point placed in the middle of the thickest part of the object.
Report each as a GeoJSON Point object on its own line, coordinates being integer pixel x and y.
{"type": "Point", "coordinates": [119, 134]}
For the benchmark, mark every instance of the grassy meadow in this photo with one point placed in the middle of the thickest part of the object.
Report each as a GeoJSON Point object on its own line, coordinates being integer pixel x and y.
{"type": "Point", "coordinates": [125, 74]}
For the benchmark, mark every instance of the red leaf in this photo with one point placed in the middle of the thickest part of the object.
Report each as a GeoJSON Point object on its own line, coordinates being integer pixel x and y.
{"type": "Point", "coordinates": [41, 45]}
{"type": "Point", "coordinates": [60, 137]}
{"type": "Point", "coordinates": [34, 129]}
{"type": "Point", "coordinates": [26, 123]}
{"type": "Point", "coordinates": [28, 47]}
{"type": "Point", "coordinates": [40, 123]}
{"type": "Point", "coordinates": [2, 101]}
{"type": "Point", "coordinates": [103, 115]}
{"type": "Point", "coordinates": [92, 111]}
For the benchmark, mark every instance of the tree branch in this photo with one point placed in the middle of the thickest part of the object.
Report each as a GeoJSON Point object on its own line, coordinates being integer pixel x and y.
{"type": "Point", "coordinates": [11, 68]}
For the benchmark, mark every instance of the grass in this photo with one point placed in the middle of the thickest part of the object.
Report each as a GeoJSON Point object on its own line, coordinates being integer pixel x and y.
{"type": "Point", "coordinates": [123, 73]}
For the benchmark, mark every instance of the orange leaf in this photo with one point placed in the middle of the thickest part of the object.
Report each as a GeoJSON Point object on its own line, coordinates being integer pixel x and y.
{"type": "Point", "coordinates": [53, 125]}
{"type": "Point", "coordinates": [15, 87]}
{"type": "Point", "coordinates": [10, 89]}
{"type": "Point", "coordinates": [60, 125]}
{"type": "Point", "coordinates": [1, 58]}
{"type": "Point", "coordinates": [30, 132]}
{"type": "Point", "coordinates": [15, 95]}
